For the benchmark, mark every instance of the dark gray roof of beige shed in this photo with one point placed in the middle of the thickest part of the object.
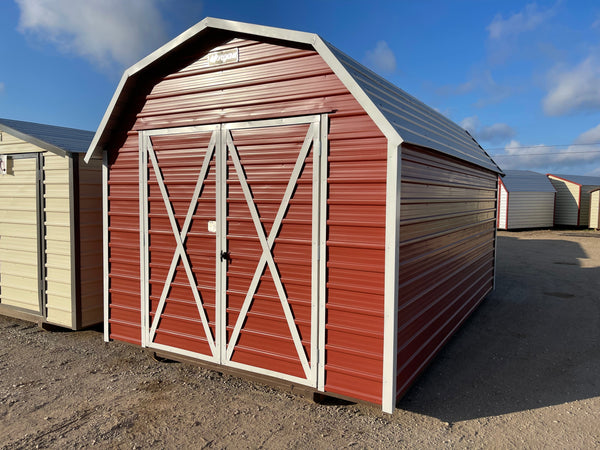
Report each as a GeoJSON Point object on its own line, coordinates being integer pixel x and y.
{"type": "Point", "coordinates": [401, 117]}
{"type": "Point", "coordinates": [583, 180]}
{"type": "Point", "coordinates": [49, 137]}
{"type": "Point", "coordinates": [526, 181]}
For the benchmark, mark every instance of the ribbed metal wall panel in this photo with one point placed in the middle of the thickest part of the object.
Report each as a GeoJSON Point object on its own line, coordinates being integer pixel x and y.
{"type": "Point", "coordinates": [568, 198]}
{"type": "Point", "coordinates": [124, 242]}
{"type": "Point", "coordinates": [19, 245]}
{"type": "Point", "coordinates": [355, 258]}
{"type": "Point", "coordinates": [502, 206]}
{"type": "Point", "coordinates": [272, 81]}
{"type": "Point", "coordinates": [57, 225]}
{"type": "Point", "coordinates": [530, 210]}
{"type": "Point", "coordinates": [584, 207]}
{"type": "Point", "coordinates": [595, 209]}
{"type": "Point", "coordinates": [90, 239]}
{"type": "Point", "coordinates": [447, 240]}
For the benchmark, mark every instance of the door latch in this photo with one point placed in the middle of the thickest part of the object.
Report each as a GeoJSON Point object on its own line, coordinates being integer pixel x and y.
{"type": "Point", "coordinates": [225, 256]}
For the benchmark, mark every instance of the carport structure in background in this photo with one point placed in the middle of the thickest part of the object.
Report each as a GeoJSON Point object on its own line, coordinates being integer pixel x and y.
{"type": "Point", "coordinates": [525, 200]}
{"type": "Point", "coordinates": [573, 198]}
{"type": "Point", "coordinates": [50, 226]}
{"type": "Point", "coordinates": [272, 205]}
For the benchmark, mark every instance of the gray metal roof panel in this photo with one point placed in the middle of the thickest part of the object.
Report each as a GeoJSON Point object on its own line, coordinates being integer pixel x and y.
{"type": "Point", "coordinates": [50, 137]}
{"type": "Point", "coordinates": [526, 181]}
{"type": "Point", "coordinates": [401, 117]}
{"type": "Point", "coordinates": [415, 122]}
{"type": "Point", "coordinates": [579, 179]}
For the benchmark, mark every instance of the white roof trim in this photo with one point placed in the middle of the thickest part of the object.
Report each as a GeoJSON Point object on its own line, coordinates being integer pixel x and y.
{"type": "Point", "coordinates": [100, 131]}
{"type": "Point", "coordinates": [351, 84]}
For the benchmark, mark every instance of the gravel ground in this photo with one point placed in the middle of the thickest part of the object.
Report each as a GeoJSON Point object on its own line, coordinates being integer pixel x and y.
{"type": "Point", "coordinates": [524, 372]}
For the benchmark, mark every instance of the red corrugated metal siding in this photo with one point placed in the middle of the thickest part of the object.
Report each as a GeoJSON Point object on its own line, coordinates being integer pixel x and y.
{"type": "Point", "coordinates": [355, 258]}
{"type": "Point", "coordinates": [124, 242]}
{"type": "Point", "coordinates": [447, 237]}
{"type": "Point", "coordinates": [275, 81]}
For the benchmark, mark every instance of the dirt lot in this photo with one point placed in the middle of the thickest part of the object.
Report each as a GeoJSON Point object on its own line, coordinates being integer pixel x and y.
{"type": "Point", "coordinates": [524, 372]}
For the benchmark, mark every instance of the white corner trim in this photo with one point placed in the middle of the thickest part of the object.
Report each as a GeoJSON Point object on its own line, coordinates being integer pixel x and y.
{"type": "Point", "coordinates": [392, 257]}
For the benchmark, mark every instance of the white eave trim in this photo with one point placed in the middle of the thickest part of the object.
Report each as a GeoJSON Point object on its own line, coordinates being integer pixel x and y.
{"type": "Point", "coordinates": [102, 127]}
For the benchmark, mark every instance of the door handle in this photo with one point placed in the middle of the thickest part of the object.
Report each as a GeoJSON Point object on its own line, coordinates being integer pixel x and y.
{"type": "Point", "coordinates": [225, 256]}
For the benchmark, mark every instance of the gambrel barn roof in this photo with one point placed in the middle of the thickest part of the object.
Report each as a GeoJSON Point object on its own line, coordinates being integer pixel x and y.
{"type": "Point", "coordinates": [401, 117]}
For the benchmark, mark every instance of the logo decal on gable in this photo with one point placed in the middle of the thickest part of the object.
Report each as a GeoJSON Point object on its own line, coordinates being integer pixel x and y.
{"type": "Point", "coordinates": [223, 57]}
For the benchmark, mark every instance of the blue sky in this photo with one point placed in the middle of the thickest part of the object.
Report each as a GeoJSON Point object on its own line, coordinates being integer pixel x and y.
{"type": "Point", "coordinates": [522, 77]}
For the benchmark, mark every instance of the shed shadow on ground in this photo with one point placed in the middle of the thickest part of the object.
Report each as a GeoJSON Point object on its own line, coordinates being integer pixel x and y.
{"type": "Point", "coordinates": [534, 341]}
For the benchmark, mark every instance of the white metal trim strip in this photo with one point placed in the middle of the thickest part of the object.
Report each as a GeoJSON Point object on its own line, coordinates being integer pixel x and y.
{"type": "Point", "coordinates": [181, 130]}
{"type": "Point", "coordinates": [392, 259]}
{"type": "Point", "coordinates": [298, 120]}
{"type": "Point", "coordinates": [270, 373]}
{"type": "Point", "coordinates": [315, 253]}
{"type": "Point", "coordinates": [143, 201]}
{"type": "Point", "coordinates": [221, 244]}
{"type": "Point", "coordinates": [181, 351]}
{"type": "Point", "coordinates": [105, 248]}
{"type": "Point", "coordinates": [322, 256]}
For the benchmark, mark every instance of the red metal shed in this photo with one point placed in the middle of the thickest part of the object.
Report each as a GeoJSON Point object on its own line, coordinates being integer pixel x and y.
{"type": "Point", "coordinates": [272, 205]}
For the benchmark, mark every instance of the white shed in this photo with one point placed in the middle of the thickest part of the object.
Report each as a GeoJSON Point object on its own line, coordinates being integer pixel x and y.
{"type": "Point", "coordinates": [525, 200]}
{"type": "Point", "coordinates": [573, 198]}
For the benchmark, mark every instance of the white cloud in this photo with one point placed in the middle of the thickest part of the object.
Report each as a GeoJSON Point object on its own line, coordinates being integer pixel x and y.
{"type": "Point", "coordinates": [106, 32]}
{"type": "Point", "coordinates": [516, 156]}
{"type": "Point", "coordinates": [505, 40]}
{"type": "Point", "coordinates": [493, 134]}
{"type": "Point", "coordinates": [526, 20]}
{"type": "Point", "coordinates": [577, 89]}
{"type": "Point", "coordinates": [381, 58]}
{"type": "Point", "coordinates": [577, 158]}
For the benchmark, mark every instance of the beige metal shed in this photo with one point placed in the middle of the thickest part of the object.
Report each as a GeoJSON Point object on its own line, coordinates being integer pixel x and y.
{"type": "Point", "coordinates": [595, 209]}
{"type": "Point", "coordinates": [573, 198]}
{"type": "Point", "coordinates": [50, 226]}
